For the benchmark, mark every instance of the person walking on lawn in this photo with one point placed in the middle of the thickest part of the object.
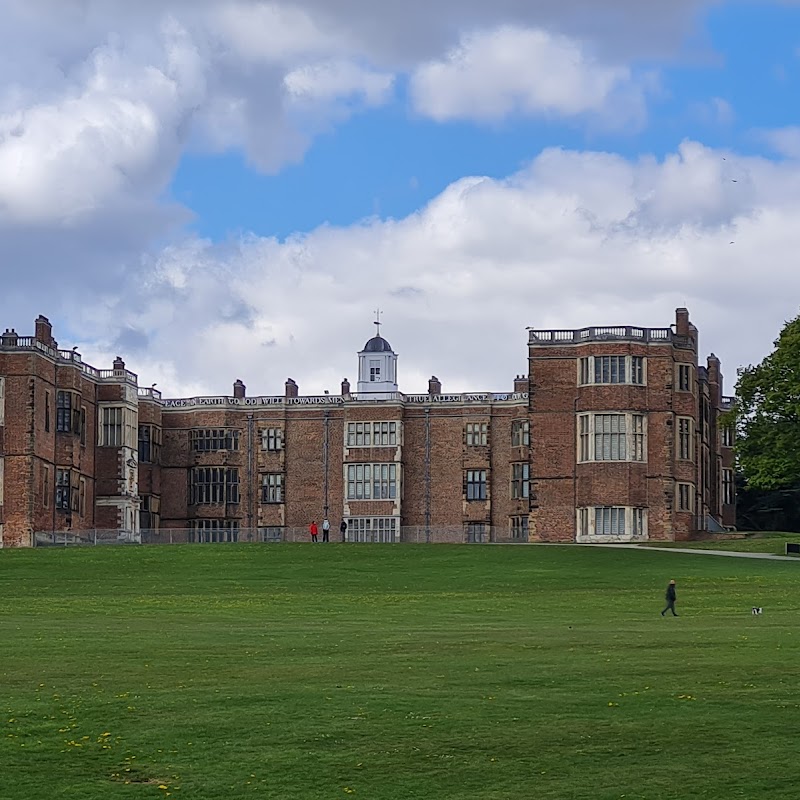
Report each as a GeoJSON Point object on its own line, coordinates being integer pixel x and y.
{"type": "Point", "coordinates": [314, 531]}
{"type": "Point", "coordinates": [671, 598]}
{"type": "Point", "coordinates": [326, 530]}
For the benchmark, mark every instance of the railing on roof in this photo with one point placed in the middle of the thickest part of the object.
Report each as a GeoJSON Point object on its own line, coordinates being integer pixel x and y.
{"type": "Point", "coordinates": [92, 372]}
{"type": "Point", "coordinates": [26, 343]}
{"type": "Point", "coordinates": [70, 355]}
{"type": "Point", "coordinates": [75, 358]}
{"type": "Point", "coordinates": [15, 342]}
{"type": "Point", "coordinates": [148, 393]}
{"type": "Point", "coordinates": [727, 402]}
{"type": "Point", "coordinates": [124, 375]}
{"type": "Point", "coordinates": [601, 334]}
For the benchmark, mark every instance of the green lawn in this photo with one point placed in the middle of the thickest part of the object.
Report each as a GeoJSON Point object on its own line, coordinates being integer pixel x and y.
{"type": "Point", "coordinates": [414, 672]}
{"type": "Point", "coordinates": [768, 542]}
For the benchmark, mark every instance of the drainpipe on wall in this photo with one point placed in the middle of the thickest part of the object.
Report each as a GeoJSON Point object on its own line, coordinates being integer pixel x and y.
{"type": "Point", "coordinates": [252, 487]}
{"type": "Point", "coordinates": [575, 465]}
{"type": "Point", "coordinates": [427, 475]}
{"type": "Point", "coordinates": [325, 459]}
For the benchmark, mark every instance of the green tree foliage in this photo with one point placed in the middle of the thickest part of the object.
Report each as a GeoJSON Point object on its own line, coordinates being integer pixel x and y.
{"type": "Point", "coordinates": [767, 414]}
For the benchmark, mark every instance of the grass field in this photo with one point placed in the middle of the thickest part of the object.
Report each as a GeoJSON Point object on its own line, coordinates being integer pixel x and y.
{"type": "Point", "coordinates": [769, 542]}
{"type": "Point", "coordinates": [373, 671]}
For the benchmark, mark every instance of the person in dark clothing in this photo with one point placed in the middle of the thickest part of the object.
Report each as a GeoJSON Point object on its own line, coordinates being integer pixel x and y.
{"type": "Point", "coordinates": [671, 598]}
{"type": "Point", "coordinates": [343, 529]}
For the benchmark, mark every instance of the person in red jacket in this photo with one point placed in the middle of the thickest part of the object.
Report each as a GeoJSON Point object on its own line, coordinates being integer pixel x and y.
{"type": "Point", "coordinates": [314, 531]}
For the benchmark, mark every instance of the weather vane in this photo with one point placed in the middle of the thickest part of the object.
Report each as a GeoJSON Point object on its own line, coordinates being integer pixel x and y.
{"type": "Point", "coordinates": [378, 313]}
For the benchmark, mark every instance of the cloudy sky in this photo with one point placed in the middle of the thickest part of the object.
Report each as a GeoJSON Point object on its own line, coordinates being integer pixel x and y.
{"type": "Point", "coordinates": [222, 189]}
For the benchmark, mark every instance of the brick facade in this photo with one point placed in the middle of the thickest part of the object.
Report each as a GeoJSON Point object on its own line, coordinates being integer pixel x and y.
{"type": "Point", "coordinates": [612, 435]}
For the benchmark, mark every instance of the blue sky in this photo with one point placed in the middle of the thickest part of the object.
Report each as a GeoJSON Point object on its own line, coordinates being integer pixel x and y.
{"type": "Point", "coordinates": [389, 161]}
{"type": "Point", "coordinates": [227, 190]}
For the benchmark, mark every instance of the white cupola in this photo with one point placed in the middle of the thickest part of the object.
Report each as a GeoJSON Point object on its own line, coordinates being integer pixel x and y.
{"type": "Point", "coordinates": [377, 370]}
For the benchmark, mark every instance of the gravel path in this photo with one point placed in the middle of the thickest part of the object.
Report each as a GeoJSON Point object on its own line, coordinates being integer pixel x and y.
{"type": "Point", "coordinates": [698, 552]}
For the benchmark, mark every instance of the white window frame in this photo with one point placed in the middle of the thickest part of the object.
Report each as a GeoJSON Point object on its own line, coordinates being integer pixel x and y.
{"type": "Point", "coordinates": [273, 488]}
{"type": "Point", "coordinates": [476, 482]}
{"type": "Point", "coordinates": [385, 433]}
{"type": "Point", "coordinates": [149, 443]}
{"type": "Point", "coordinates": [63, 499]}
{"type": "Point", "coordinates": [82, 497]}
{"type": "Point", "coordinates": [375, 370]}
{"type": "Point", "coordinates": [46, 485]}
{"type": "Point", "coordinates": [680, 370]}
{"type": "Point", "coordinates": [616, 524]}
{"type": "Point", "coordinates": [359, 434]}
{"type": "Point", "coordinates": [372, 481]}
{"type": "Point", "coordinates": [726, 436]}
{"type": "Point", "coordinates": [634, 436]}
{"type": "Point", "coordinates": [520, 480]}
{"type": "Point", "coordinates": [123, 431]}
{"type": "Point", "coordinates": [271, 533]}
{"type": "Point", "coordinates": [222, 486]}
{"type": "Point", "coordinates": [384, 530]}
{"type": "Point", "coordinates": [728, 487]}
{"type": "Point", "coordinates": [476, 434]}
{"type": "Point", "coordinates": [592, 367]}
{"type": "Point", "coordinates": [639, 522]}
{"type": "Point", "coordinates": [684, 492]}
{"type": "Point", "coordinates": [477, 533]}
{"type": "Point", "coordinates": [685, 437]}
{"type": "Point", "coordinates": [66, 419]}
{"type": "Point", "coordinates": [214, 531]}
{"type": "Point", "coordinates": [520, 433]}
{"type": "Point", "coordinates": [111, 426]}
{"type": "Point", "coordinates": [215, 440]}
{"type": "Point", "coordinates": [272, 440]}
{"type": "Point", "coordinates": [520, 528]}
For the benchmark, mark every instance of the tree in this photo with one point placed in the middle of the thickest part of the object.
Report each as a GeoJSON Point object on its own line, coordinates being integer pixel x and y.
{"type": "Point", "coordinates": [767, 416]}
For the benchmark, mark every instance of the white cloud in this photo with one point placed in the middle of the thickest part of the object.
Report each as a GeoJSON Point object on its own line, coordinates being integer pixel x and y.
{"type": "Point", "coordinates": [103, 138]}
{"type": "Point", "coordinates": [574, 239]}
{"type": "Point", "coordinates": [90, 118]}
{"type": "Point", "coordinates": [99, 99]}
{"type": "Point", "coordinates": [784, 141]}
{"type": "Point", "coordinates": [273, 33]}
{"type": "Point", "coordinates": [334, 80]}
{"type": "Point", "coordinates": [511, 70]}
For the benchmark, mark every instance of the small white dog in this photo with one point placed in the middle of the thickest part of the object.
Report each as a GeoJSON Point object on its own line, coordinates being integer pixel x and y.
{"type": "Point", "coordinates": [757, 610]}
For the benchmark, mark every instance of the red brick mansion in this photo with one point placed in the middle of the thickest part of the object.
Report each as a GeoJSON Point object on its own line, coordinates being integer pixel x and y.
{"type": "Point", "coordinates": [611, 436]}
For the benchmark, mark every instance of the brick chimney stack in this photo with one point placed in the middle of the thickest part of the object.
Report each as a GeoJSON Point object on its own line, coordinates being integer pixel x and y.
{"type": "Point", "coordinates": [434, 386]}
{"type": "Point", "coordinates": [239, 390]}
{"type": "Point", "coordinates": [44, 331]}
{"type": "Point", "coordinates": [682, 321]}
{"type": "Point", "coordinates": [345, 388]}
{"type": "Point", "coordinates": [119, 364]}
{"type": "Point", "coordinates": [684, 328]}
{"type": "Point", "coordinates": [9, 338]}
{"type": "Point", "coordinates": [521, 384]}
{"type": "Point", "coordinates": [292, 389]}
{"type": "Point", "coordinates": [714, 380]}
